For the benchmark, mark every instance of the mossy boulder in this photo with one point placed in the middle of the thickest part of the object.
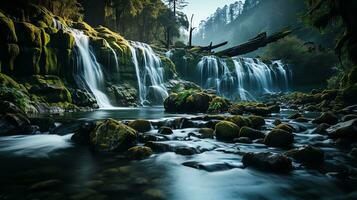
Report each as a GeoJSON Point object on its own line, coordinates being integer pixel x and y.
{"type": "Point", "coordinates": [18, 97]}
{"type": "Point", "coordinates": [206, 133]}
{"type": "Point", "coordinates": [239, 120]}
{"type": "Point", "coordinates": [344, 130]}
{"type": "Point", "coordinates": [111, 135]}
{"type": "Point", "coordinates": [285, 127]}
{"type": "Point", "coordinates": [250, 133]}
{"type": "Point", "coordinates": [188, 101]}
{"type": "Point", "coordinates": [327, 117]}
{"type": "Point", "coordinates": [7, 33]}
{"type": "Point", "coordinates": [28, 34]}
{"type": "Point", "coordinates": [51, 88]}
{"type": "Point", "coordinates": [139, 152]}
{"type": "Point", "coordinates": [140, 125]}
{"type": "Point", "coordinates": [226, 131]}
{"type": "Point", "coordinates": [218, 105]}
{"type": "Point", "coordinates": [256, 121]}
{"type": "Point", "coordinates": [279, 138]}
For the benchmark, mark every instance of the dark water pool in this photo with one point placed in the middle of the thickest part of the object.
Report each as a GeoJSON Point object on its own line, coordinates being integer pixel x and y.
{"type": "Point", "coordinates": [52, 167]}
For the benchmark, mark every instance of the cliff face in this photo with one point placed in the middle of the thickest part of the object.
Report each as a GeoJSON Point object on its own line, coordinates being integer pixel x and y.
{"type": "Point", "coordinates": [38, 51]}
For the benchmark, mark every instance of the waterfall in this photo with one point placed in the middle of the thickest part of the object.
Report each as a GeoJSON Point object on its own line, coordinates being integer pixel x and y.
{"type": "Point", "coordinates": [245, 79]}
{"type": "Point", "coordinates": [150, 74]}
{"type": "Point", "coordinates": [92, 72]}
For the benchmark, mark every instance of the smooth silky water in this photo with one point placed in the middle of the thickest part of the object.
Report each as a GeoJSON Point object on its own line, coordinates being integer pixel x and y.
{"type": "Point", "coordinates": [80, 173]}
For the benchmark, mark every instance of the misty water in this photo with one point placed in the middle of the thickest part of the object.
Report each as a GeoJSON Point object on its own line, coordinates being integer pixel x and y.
{"type": "Point", "coordinates": [79, 172]}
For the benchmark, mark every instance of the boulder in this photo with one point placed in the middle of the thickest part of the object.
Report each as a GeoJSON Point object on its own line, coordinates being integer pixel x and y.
{"type": "Point", "coordinates": [327, 117]}
{"type": "Point", "coordinates": [285, 127]}
{"type": "Point", "coordinates": [239, 120]}
{"type": "Point", "coordinates": [349, 117]}
{"type": "Point", "coordinates": [301, 120]}
{"type": "Point", "coordinates": [82, 132]}
{"type": "Point", "coordinates": [243, 140]}
{"type": "Point", "coordinates": [256, 121]}
{"type": "Point", "coordinates": [139, 152]}
{"type": "Point", "coordinates": [277, 122]}
{"type": "Point", "coordinates": [111, 135]}
{"type": "Point", "coordinates": [267, 162]}
{"type": "Point", "coordinates": [279, 138]}
{"type": "Point", "coordinates": [344, 130]}
{"type": "Point", "coordinates": [295, 116]}
{"type": "Point", "coordinates": [45, 123]}
{"type": "Point", "coordinates": [218, 105]}
{"type": "Point", "coordinates": [321, 129]}
{"type": "Point", "coordinates": [250, 133]}
{"type": "Point", "coordinates": [187, 101]}
{"type": "Point", "coordinates": [140, 125]}
{"type": "Point", "coordinates": [28, 34]}
{"type": "Point", "coordinates": [310, 156]}
{"type": "Point", "coordinates": [226, 131]}
{"type": "Point", "coordinates": [13, 120]}
{"type": "Point", "coordinates": [206, 133]}
{"type": "Point", "coordinates": [164, 130]}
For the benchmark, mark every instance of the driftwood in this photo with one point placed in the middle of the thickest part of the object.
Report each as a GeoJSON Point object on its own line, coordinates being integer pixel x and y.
{"type": "Point", "coordinates": [211, 47]}
{"type": "Point", "coordinates": [255, 43]}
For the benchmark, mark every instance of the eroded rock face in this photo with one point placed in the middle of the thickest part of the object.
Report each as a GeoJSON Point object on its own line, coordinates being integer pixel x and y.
{"type": "Point", "coordinates": [226, 131]}
{"type": "Point", "coordinates": [267, 162]}
{"type": "Point", "coordinates": [111, 135]}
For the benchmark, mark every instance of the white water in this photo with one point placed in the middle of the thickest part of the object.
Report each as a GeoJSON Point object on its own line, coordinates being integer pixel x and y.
{"type": "Point", "coordinates": [249, 78]}
{"type": "Point", "coordinates": [150, 74]}
{"type": "Point", "coordinates": [92, 71]}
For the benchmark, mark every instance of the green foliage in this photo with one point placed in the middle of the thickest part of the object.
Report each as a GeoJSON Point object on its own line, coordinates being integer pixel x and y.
{"type": "Point", "coordinates": [15, 96]}
{"type": "Point", "coordinates": [311, 64]}
{"type": "Point", "coordinates": [182, 96]}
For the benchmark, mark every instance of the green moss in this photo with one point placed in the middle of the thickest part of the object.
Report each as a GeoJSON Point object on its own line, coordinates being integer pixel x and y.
{"type": "Point", "coordinates": [182, 97]}
{"type": "Point", "coordinates": [8, 54]}
{"type": "Point", "coordinates": [7, 81]}
{"type": "Point", "coordinates": [62, 40]}
{"type": "Point", "coordinates": [28, 34]}
{"type": "Point", "coordinates": [7, 33]}
{"type": "Point", "coordinates": [17, 97]}
{"type": "Point", "coordinates": [218, 105]}
{"type": "Point", "coordinates": [49, 63]}
{"type": "Point", "coordinates": [28, 61]}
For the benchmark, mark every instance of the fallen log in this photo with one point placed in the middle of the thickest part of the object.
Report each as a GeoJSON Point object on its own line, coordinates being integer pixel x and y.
{"type": "Point", "coordinates": [261, 40]}
{"type": "Point", "coordinates": [211, 47]}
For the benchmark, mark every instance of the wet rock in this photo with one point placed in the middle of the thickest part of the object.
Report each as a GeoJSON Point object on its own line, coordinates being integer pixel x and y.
{"type": "Point", "coordinates": [277, 122]}
{"type": "Point", "coordinates": [44, 185]}
{"type": "Point", "coordinates": [310, 156]}
{"type": "Point", "coordinates": [83, 98]}
{"type": "Point", "coordinates": [153, 194]}
{"type": "Point", "coordinates": [172, 147]}
{"type": "Point", "coordinates": [139, 152]}
{"type": "Point", "coordinates": [181, 123]}
{"type": "Point", "coordinates": [111, 135]}
{"type": "Point", "coordinates": [327, 117]}
{"type": "Point", "coordinates": [349, 117]}
{"type": "Point", "coordinates": [301, 120]}
{"type": "Point", "coordinates": [256, 121]}
{"type": "Point", "coordinates": [206, 133]}
{"type": "Point", "coordinates": [45, 123]}
{"type": "Point", "coordinates": [321, 129]}
{"type": "Point", "coordinates": [261, 111]}
{"type": "Point", "coordinates": [250, 133]}
{"type": "Point", "coordinates": [285, 127]}
{"type": "Point", "coordinates": [218, 105]}
{"type": "Point", "coordinates": [187, 101]}
{"type": "Point", "coordinates": [240, 121]}
{"type": "Point", "coordinates": [295, 116]}
{"type": "Point", "coordinates": [226, 131]}
{"type": "Point", "coordinates": [12, 120]}
{"type": "Point", "coordinates": [243, 140]}
{"type": "Point", "coordinates": [211, 124]}
{"type": "Point", "coordinates": [267, 162]}
{"type": "Point", "coordinates": [144, 137]}
{"type": "Point", "coordinates": [140, 125]}
{"type": "Point", "coordinates": [274, 108]}
{"type": "Point", "coordinates": [81, 134]}
{"type": "Point", "coordinates": [353, 153]}
{"type": "Point", "coordinates": [279, 138]}
{"type": "Point", "coordinates": [210, 167]}
{"type": "Point", "coordinates": [164, 130]}
{"type": "Point", "coordinates": [350, 109]}
{"type": "Point", "coordinates": [344, 130]}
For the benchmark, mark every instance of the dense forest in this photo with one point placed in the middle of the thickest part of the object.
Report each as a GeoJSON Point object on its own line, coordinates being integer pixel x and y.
{"type": "Point", "coordinates": [128, 99]}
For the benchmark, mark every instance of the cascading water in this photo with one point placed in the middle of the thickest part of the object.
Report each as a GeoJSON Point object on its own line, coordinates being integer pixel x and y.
{"type": "Point", "coordinates": [247, 77]}
{"type": "Point", "coordinates": [150, 74]}
{"type": "Point", "coordinates": [90, 74]}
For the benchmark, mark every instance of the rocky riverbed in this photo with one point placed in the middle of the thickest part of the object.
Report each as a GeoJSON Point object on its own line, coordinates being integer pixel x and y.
{"type": "Point", "coordinates": [283, 152]}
